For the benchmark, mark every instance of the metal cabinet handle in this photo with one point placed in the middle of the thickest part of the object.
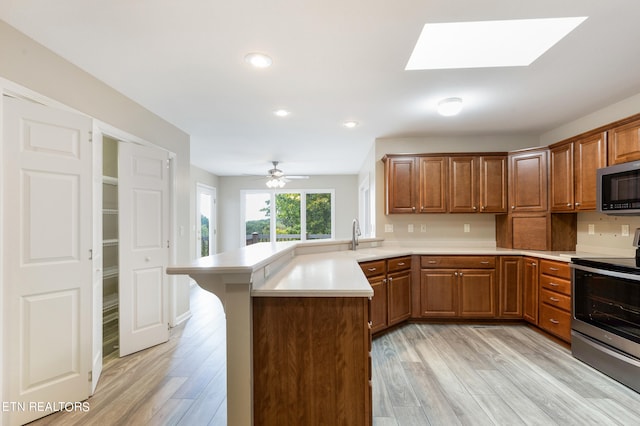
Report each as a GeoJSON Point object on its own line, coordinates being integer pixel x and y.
{"type": "Point", "coordinates": [475, 208]}
{"type": "Point", "coordinates": [553, 321]}
{"type": "Point", "coordinates": [578, 204]}
{"type": "Point", "coordinates": [513, 207]}
{"type": "Point", "coordinates": [554, 299]}
{"type": "Point", "coordinates": [551, 268]}
{"type": "Point", "coordinates": [455, 274]}
{"type": "Point", "coordinates": [482, 208]}
{"type": "Point", "coordinates": [569, 204]}
{"type": "Point", "coordinates": [554, 284]}
{"type": "Point", "coordinates": [485, 262]}
{"type": "Point", "coordinates": [390, 280]}
{"type": "Point", "coordinates": [372, 269]}
{"type": "Point", "coordinates": [433, 261]}
{"type": "Point", "coordinates": [401, 264]}
{"type": "Point", "coordinates": [413, 209]}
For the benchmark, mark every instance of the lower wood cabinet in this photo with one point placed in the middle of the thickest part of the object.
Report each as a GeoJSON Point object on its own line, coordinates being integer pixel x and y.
{"type": "Point", "coordinates": [510, 296]}
{"type": "Point", "coordinates": [311, 361]}
{"type": "Point", "coordinates": [458, 286]}
{"type": "Point", "coordinates": [555, 298]}
{"type": "Point", "coordinates": [391, 283]}
{"type": "Point", "coordinates": [530, 290]}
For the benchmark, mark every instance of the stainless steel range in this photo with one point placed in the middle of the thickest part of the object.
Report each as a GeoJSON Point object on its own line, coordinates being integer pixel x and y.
{"type": "Point", "coordinates": [606, 316]}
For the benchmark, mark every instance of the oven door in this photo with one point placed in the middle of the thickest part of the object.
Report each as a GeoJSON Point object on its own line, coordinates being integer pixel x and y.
{"type": "Point", "coordinates": [606, 307]}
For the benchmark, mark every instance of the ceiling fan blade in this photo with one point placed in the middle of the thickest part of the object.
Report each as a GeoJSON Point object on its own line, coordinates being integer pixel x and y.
{"type": "Point", "coordinates": [296, 177]}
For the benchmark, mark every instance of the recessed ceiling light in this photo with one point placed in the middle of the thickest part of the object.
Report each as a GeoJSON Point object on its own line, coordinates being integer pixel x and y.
{"type": "Point", "coordinates": [350, 124]}
{"type": "Point", "coordinates": [281, 112]}
{"type": "Point", "coordinates": [450, 106]}
{"type": "Point", "coordinates": [488, 43]}
{"type": "Point", "coordinates": [258, 60]}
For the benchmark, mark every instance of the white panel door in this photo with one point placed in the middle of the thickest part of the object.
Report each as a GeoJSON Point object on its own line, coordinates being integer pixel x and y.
{"type": "Point", "coordinates": [143, 200]}
{"type": "Point", "coordinates": [47, 265]}
{"type": "Point", "coordinates": [96, 344]}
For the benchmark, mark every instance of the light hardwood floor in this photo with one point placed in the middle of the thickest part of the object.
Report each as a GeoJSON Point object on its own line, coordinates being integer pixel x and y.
{"type": "Point", "coordinates": [423, 374]}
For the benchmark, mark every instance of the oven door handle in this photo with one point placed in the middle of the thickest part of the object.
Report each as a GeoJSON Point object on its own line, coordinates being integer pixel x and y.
{"type": "Point", "coordinates": [606, 272]}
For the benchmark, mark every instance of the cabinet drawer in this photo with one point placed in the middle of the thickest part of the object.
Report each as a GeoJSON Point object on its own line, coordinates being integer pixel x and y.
{"type": "Point", "coordinates": [555, 284]}
{"type": "Point", "coordinates": [399, 264]}
{"type": "Point", "coordinates": [371, 269]}
{"type": "Point", "coordinates": [555, 321]}
{"type": "Point", "coordinates": [466, 262]}
{"type": "Point", "coordinates": [556, 269]}
{"type": "Point", "coordinates": [555, 299]}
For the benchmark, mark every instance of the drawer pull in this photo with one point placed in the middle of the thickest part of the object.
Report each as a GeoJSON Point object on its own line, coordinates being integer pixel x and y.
{"type": "Point", "coordinates": [553, 321]}
{"type": "Point", "coordinates": [372, 269]}
{"type": "Point", "coordinates": [485, 262]}
{"type": "Point", "coordinates": [401, 264]}
{"type": "Point", "coordinates": [433, 261]}
{"type": "Point", "coordinates": [554, 284]}
{"type": "Point", "coordinates": [551, 268]}
{"type": "Point", "coordinates": [554, 299]}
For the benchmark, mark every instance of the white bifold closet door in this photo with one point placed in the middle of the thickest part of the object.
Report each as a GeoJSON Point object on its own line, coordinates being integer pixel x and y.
{"type": "Point", "coordinates": [143, 215]}
{"type": "Point", "coordinates": [47, 267]}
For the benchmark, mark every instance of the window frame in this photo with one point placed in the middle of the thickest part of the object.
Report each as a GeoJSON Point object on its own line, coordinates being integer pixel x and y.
{"type": "Point", "coordinates": [303, 211]}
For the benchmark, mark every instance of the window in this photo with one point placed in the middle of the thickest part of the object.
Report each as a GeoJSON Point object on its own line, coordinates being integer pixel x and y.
{"type": "Point", "coordinates": [205, 220]}
{"type": "Point", "coordinates": [296, 216]}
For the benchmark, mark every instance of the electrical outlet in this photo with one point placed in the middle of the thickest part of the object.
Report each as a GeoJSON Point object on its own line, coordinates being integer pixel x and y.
{"type": "Point", "coordinates": [410, 227]}
{"type": "Point", "coordinates": [625, 230]}
{"type": "Point", "coordinates": [388, 227]}
{"type": "Point", "coordinates": [423, 228]}
{"type": "Point", "coordinates": [592, 229]}
{"type": "Point", "coordinates": [467, 227]}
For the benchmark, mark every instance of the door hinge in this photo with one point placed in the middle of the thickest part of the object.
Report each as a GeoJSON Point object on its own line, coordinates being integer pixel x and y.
{"type": "Point", "coordinates": [90, 254]}
{"type": "Point", "coordinates": [90, 136]}
{"type": "Point", "coordinates": [168, 163]}
{"type": "Point", "coordinates": [168, 244]}
{"type": "Point", "coordinates": [91, 375]}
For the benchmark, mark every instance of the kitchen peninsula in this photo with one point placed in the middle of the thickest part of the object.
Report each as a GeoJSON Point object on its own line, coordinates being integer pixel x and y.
{"type": "Point", "coordinates": [298, 339]}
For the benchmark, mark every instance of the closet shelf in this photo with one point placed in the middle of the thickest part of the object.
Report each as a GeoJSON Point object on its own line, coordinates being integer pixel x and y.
{"type": "Point", "coordinates": [110, 301]}
{"type": "Point", "coordinates": [110, 272]}
{"type": "Point", "coordinates": [110, 243]}
{"type": "Point", "coordinates": [109, 180]}
{"type": "Point", "coordinates": [109, 211]}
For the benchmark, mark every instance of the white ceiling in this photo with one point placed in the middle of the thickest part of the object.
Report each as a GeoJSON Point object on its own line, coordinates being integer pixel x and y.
{"type": "Point", "coordinates": [334, 60]}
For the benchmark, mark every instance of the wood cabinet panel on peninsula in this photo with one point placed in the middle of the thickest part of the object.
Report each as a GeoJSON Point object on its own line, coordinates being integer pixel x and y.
{"type": "Point", "coordinates": [458, 286]}
{"type": "Point", "coordinates": [530, 290]}
{"type": "Point", "coordinates": [311, 361]}
{"type": "Point", "coordinates": [391, 283]}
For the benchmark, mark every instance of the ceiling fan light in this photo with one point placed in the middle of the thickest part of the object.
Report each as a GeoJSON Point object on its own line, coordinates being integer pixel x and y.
{"type": "Point", "coordinates": [275, 183]}
{"type": "Point", "coordinates": [449, 107]}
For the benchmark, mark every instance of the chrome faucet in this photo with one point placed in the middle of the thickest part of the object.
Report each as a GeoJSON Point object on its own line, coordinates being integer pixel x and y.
{"type": "Point", "coordinates": [355, 233]}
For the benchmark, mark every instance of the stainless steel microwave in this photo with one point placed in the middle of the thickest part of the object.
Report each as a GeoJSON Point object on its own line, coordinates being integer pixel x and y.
{"type": "Point", "coordinates": [618, 189]}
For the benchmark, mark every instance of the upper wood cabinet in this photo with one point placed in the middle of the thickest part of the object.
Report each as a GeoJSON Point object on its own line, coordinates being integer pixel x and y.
{"type": "Point", "coordinates": [449, 183]}
{"type": "Point", "coordinates": [528, 181]}
{"type": "Point", "coordinates": [624, 142]}
{"type": "Point", "coordinates": [493, 184]}
{"type": "Point", "coordinates": [573, 172]}
{"type": "Point", "coordinates": [400, 184]}
{"type": "Point", "coordinates": [432, 184]}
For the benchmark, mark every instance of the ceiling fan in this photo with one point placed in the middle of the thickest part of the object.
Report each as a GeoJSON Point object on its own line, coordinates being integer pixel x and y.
{"type": "Point", "coordinates": [276, 177]}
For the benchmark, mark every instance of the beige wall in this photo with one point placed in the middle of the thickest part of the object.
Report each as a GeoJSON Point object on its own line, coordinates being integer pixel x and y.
{"type": "Point", "coordinates": [30, 65]}
{"type": "Point", "coordinates": [440, 228]}
{"type": "Point", "coordinates": [346, 203]}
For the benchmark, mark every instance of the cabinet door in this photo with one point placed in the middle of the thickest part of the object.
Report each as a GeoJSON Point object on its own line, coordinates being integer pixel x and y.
{"type": "Point", "coordinates": [399, 297]}
{"type": "Point", "coordinates": [590, 154]}
{"type": "Point", "coordinates": [439, 293]}
{"type": "Point", "coordinates": [530, 290]}
{"type": "Point", "coordinates": [624, 143]}
{"type": "Point", "coordinates": [477, 293]}
{"type": "Point", "coordinates": [433, 184]}
{"type": "Point", "coordinates": [510, 288]}
{"type": "Point", "coordinates": [400, 183]}
{"type": "Point", "coordinates": [463, 185]}
{"type": "Point", "coordinates": [378, 304]}
{"type": "Point", "coordinates": [528, 181]}
{"type": "Point", "coordinates": [562, 173]}
{"type": "Point", "coordinates": [493, 184]}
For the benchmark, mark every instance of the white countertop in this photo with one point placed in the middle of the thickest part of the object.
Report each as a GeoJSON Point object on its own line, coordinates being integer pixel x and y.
{"type": "Point", "coordinates": [327, 269]}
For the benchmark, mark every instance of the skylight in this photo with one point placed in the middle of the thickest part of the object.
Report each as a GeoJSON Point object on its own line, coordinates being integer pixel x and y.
{"type": "Point", "coordinates": [485, 44]}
